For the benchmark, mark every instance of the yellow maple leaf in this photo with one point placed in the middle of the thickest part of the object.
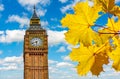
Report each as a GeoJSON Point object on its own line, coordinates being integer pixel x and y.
{"type": "Point", "coordinates": [88, 59]}
{"type": "Point", "coordinates": [108, 32]}
{"type": "Point", "coordinates": [102, 37]}
{"type": "Point", "coordinates": [80, 23]}
{"type": "Point", "coordinates": [109, 6]}
{"type": "Point", "coordinates": [115, 55]}
{"type": "Point", "coordinates": [105, 34]}
{"type": "Point", "coordinates": [113, 26]}
{"type": "Point", "coordinates": [112, 29]}
{"type": "Point", "coordinates": [97, 2]}
{"type": "Point", "coordinates": [84, 35]}
{"type": "Point", "coordinates": [116, 41]}
{"type": "Point", "coordinates": [100, 59]}
{"type": "Point", "coordinates": [116, 11]}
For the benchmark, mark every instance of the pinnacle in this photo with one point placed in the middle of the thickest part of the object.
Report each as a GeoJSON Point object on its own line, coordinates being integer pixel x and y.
{"type": "Point", "coordinates": [34, 16]}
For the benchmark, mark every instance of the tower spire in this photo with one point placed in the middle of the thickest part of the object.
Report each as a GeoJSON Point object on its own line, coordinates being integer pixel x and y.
{"type": "Point", "coordinates": [34, 13]}
{"type": "Point", "coordinates": [34, 7]}
{"type": "Point", "coordinates": [35, 21]}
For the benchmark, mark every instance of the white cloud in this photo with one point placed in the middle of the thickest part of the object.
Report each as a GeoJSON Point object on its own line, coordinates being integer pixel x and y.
{"type": "Point", "coordinates": [44, 24]}
{"type": "Point", "coordinates": [10, 67]}
{"type": "Point", "coordinates": [41, 12]}
{"type": "Point", "coordinates": [34, 2]}
{"type": "Point", "coordinates": [66, 58]}
{"type": "Point", "coordinates": [56, 26]}
{"type": "Point", "coordinates": [12, 36]}
{"type": "Point", "coordinates": [52, 70]}
{"type": "Point", "coordinates": [63, 1]}
{"type": "Point", "coordinates": [23, 21]}
{"type": "Point", "coordinates": [52, 61]}
{"type": "Point", "coordinates": [55, 37]}
{"type": "Point", "coordinates": [26, 2]}
{"type": "Point", "coordinates": [61, 49]}
{"type": "Point", "coordinates": [9, 36]}
{"type": "Point", "coordinates": [70, 6]}
{"type": "Point", "coordinates": [54, 19]}
{"type": "Point", "coordinates": [52, 66]}
{"type": "Point", "coordinates": [1, 32]}
{"type": "Point", "coordinates": [1, 52]}
{"type": "Point", "coordinates": [91, 3]}
{"type": "Point", "coordinates": [61, 69]}
{"type": "Point", "coordinates": [64, 64]}
{"type": "Point", "coordinates": [41, 4]}
{"type": "Point", "coordinates": [13, 59]}
{"type": "Point", "coordinates": [117, 1]}
{"type": "Point", "coordinates": [11, 63]}
{"type": "Point", "coordinates": [1, 7]}
{"type": "Point", "coordinates": [66, 8]}
{"type": "Point", "coordinates": [70, 47]}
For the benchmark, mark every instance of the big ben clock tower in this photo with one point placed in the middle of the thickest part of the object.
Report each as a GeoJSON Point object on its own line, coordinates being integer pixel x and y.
{"type": "Point", "coordinates": [35, 50]}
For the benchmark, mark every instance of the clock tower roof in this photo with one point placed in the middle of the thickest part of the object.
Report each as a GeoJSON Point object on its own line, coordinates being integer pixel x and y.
{"type": "Point", "coordinates": [35, 21]}
{"type": "Point", "coordinates": [34, 16]}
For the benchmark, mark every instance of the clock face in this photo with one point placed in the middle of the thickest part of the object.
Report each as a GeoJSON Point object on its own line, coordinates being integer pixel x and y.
{"type": "Point", "coordinates": [36, 42]}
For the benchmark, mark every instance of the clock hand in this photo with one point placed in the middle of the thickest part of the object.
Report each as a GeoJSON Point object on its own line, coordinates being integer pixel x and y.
{"type": "Point", "coordinates": [34, 42]}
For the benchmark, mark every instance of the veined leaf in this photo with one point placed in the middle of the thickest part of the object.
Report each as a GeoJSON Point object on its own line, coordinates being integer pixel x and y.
{"type": "Point", "coordinates": [84, 35]}
{"type": "Point", "coordinates": [80, 23]}
{"type": "Point", "coordinates": [100, 59]}
{"type": "Point", "coordinates": [109, 6]}
{"type": "Point", "coordinates": [115, 55]}
{"type": "Point", "coordinates": [90, 59]}
{"type": "Point", "coordinates": [114, 26]}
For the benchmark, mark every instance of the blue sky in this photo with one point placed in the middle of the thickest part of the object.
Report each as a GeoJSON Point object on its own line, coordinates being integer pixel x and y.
{"type": "Point", "coordinates": [14, 20]}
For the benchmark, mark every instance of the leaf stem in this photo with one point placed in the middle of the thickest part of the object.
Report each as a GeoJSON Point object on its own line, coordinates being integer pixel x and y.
{"type": "Point", "coordinates": [109, 33]}
{"type": "Point", "coordinates": [104, 27]}
{"type": "Point", "coordinates": [97, 52]}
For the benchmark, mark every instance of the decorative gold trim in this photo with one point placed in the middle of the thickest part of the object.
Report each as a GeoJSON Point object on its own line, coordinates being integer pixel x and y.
{"type": "Point", "coordinates": [33, 36]}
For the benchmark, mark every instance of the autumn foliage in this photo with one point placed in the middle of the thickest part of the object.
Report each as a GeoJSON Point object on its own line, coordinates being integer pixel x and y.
{"type": "Point", "coordinates": [97, 43]}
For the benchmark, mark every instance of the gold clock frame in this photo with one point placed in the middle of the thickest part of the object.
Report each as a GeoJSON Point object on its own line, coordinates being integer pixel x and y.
{"type": "Point", "coordinates": [31, 37]}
